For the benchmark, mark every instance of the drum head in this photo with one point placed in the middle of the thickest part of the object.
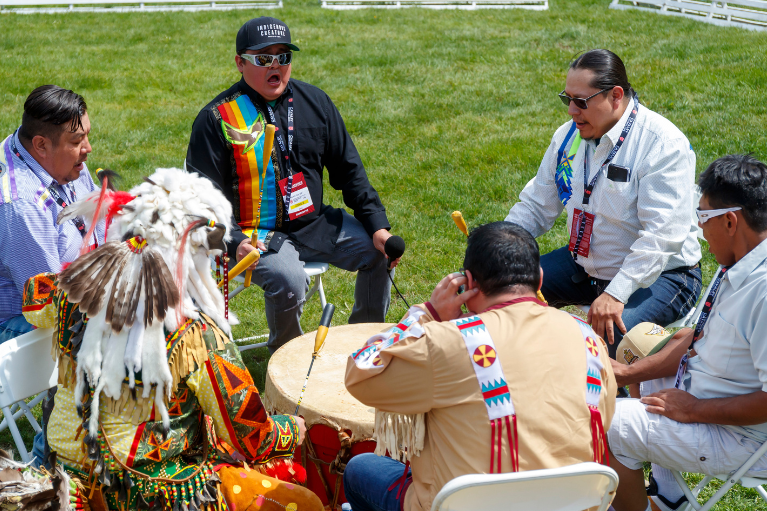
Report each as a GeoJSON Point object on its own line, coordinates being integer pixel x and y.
{"type": "Point", "coordinates": [326, 395]}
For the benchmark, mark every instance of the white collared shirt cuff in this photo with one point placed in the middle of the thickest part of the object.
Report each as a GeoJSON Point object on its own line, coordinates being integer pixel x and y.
{"type": "Point", "coordinates": [622, 287]}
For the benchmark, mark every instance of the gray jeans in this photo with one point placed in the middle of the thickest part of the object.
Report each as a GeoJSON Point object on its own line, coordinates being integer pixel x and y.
{"type": "Point", "coordinates": [281, 276]}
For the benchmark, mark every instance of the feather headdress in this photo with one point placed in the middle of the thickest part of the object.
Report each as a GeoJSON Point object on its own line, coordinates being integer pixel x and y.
{"type": "Point", "coordinates": [152, 273]}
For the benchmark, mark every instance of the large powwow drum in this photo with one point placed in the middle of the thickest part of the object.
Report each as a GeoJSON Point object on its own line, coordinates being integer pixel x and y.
{"type": "Point", "coordinates": [339, 427]}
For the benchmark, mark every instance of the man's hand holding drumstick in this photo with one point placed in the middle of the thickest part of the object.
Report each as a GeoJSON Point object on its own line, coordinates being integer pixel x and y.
{"type": "Point", "coordinates": [245, 247]}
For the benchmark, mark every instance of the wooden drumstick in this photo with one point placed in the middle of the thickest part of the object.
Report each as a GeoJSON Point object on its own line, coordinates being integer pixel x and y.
{"type": "Point", "coordinates": [246, 261]}
{"type": "Point", "coordinates": [461, 224]}
{"type": "Point", "coordinates": [319, 341]}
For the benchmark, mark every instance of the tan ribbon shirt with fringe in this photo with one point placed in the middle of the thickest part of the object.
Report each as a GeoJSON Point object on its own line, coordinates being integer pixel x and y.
{"type": "Point", "coordinates": [427, 384]}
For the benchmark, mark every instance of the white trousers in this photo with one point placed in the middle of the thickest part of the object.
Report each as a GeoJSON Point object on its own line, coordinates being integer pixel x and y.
{"type": "Point", "coordinates": [636, 436]}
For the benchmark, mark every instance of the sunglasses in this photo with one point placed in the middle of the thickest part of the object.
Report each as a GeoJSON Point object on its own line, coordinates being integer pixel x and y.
{"type": "Point", "coordinates": [579, 102]}
{"type": "Point", "coordinates": [267, 60]}
{"type": "Point", "coordinates": [706, 214]}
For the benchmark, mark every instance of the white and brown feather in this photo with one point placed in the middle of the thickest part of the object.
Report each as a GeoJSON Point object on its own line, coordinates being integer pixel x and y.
{"type": "Point", "coordinates": [114, 274]}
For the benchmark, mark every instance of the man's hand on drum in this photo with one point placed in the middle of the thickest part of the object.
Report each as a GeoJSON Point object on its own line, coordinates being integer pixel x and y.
{"type": "Point", "coordinates": [446, 299]}
{"type": "Point", "coordinates": [245, 247]}
{"type": "Point", "coordinates": [605, 312]}
{"type": "Point", "coordinates": [301, 429]}
{"type": "Point", "coordinates": [379, 242]}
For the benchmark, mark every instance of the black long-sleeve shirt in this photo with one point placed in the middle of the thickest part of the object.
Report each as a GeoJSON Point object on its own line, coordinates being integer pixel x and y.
{"type": "Point", "coordinates": [320, 141]}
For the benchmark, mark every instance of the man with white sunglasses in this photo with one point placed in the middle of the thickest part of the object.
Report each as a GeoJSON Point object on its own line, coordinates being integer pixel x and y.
{"type": "Point", "coordinates": [704, 404]}
{"type": "Point", "coordinates": [282, 208]}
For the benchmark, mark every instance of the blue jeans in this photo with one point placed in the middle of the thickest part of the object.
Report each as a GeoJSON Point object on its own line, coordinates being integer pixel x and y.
{"type": "Point", "coordinates": [668, 299]}
{"type": "Point", "coordinates": [14, 327]}
{"type": "Point", "coordinates": [367, 480]}
{"type": "Point", "coordinates": [38, 450]}
{"type": "Point", "coordinates": [281, 275]}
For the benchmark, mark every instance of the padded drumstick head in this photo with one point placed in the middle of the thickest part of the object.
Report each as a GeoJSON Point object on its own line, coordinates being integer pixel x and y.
{"type": "Point", "coordinates": [322, 331]}
{"type": "Point", "coordinates": [460, 222]}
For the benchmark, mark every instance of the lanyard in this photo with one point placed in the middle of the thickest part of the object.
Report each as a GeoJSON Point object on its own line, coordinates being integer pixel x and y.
{"type": "Point", "coordinates": [704, 314]}
{"type": "Point", "coordinates": [52, 189]}
{"type": "Point", "coordinates": [588, 187]}
{"type": "Point", "coordinates": [285, 148]}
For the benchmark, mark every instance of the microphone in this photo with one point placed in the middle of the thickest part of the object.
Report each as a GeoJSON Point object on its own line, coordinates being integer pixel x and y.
{"type": "Point", "coordinates": [394, 248]}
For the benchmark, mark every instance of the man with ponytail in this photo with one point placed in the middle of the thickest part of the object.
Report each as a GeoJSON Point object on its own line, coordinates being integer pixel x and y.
{"type": "Point", "coordinates": [625, 175]}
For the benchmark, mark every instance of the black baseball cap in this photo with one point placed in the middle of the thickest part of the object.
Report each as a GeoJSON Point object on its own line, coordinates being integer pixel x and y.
{"type": "Point", "coordinates": [261, 32]}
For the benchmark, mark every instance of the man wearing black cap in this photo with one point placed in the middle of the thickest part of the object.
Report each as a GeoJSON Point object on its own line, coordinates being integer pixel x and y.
{"type": "Point", "coordinates": [226, 145]}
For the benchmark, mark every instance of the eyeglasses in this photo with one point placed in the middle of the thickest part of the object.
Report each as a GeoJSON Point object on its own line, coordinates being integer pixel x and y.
{"type": "Point", "coordinates": [579, 102]}
{"type": "Point", "coordinates": [705, 214]}
{"type": "Point", "coordinates": [267, 60]}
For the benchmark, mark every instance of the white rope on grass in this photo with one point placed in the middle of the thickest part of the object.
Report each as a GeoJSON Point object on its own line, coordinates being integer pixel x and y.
{"type": "Point", "coordinates": [238, 341]}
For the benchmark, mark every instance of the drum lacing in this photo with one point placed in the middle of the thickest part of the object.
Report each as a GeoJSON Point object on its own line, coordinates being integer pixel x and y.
{"type": "Point", "coordinates": [338, 465]}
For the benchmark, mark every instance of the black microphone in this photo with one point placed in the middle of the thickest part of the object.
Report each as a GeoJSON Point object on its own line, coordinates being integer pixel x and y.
{"type": "Point", "coordinates": [394, 248]}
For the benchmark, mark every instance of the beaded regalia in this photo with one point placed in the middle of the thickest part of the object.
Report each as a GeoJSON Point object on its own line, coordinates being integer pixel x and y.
{"type": "Point", "coordinates": [153, 396]}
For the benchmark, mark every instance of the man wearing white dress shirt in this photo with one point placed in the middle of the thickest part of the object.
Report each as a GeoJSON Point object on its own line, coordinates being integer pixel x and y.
{"type": "Point", "coordinates": [625, 175]}
{"type": "Point", "coordinates": [704, 404]}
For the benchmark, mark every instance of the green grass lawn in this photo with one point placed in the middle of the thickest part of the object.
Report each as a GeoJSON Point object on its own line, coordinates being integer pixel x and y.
{"type": "Point", "coordinates": [449, 109]}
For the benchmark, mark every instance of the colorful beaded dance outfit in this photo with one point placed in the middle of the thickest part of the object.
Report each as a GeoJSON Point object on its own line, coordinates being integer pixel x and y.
{"type": "Point", "coordinates": [153, 397]}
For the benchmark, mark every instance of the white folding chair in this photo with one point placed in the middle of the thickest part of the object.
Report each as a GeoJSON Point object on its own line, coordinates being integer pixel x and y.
{"type": "Point", "coordinates": [311, 269]}
{"type": "Point", "coordinates": [728, 481]}
{"type": "Point", "coordinates": [572, 488]}
{"type": "Point", "coordinates": [26, 370]}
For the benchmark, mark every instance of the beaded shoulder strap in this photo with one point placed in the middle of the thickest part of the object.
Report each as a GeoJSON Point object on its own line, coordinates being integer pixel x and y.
{"type": "Point", "coordinates": [495, 391]}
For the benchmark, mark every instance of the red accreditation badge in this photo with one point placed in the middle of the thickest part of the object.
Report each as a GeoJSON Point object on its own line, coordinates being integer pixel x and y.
{"type": "Point", "coordinates": [588, 219]}
{"type": "Point", "coordinates": [300, 198]}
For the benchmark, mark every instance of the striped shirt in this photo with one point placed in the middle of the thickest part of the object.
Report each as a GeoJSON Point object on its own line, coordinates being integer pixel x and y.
{"type": "Point", "coordinates": [30, 240]}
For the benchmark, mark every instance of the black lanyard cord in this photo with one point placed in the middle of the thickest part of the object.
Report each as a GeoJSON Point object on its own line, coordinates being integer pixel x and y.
{"type": "Point", "coordinates": [702, 319]}
{"type": "Point", "coordinates": [285, 148]}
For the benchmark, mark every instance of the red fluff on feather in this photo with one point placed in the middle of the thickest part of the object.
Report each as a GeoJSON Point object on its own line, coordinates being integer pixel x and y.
{"type": "Point", "coordinates": [117, 200]}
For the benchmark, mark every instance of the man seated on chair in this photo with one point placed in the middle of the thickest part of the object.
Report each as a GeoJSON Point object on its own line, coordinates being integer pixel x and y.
{"type": "Point", "coordinates": [704, 404]}
{"type": "Point", "coordinates": [625, 175]}
{"type": "Point", "coordinates": [284, 203]}
{"type": "Point", "coordinates": [463, 392]}
{"type": "Point", "coordinates": [42, 169]}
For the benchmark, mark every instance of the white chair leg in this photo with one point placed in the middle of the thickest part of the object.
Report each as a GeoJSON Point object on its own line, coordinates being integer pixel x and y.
{"type": "Point", "coordinates": [702, 484]}
{"type": "Point", "coordinates": [16, 435]}
{"type": "Point", "coordinates": [711, 502]}
{"type": "Point", "coordinates": [762, 492]}
{"type": "Point", "coordinates": [315, 286]}
{"type": "Point", "coordinates": [237, 291]}
{"type": "Point", "coordinates": [692, 501]}
{"type": "Point", "coordinates": [16, 411]}
{"type": "Point", "coordinates": [30, 417]}
{"type": "Point", "coordinates": [323, 301]}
